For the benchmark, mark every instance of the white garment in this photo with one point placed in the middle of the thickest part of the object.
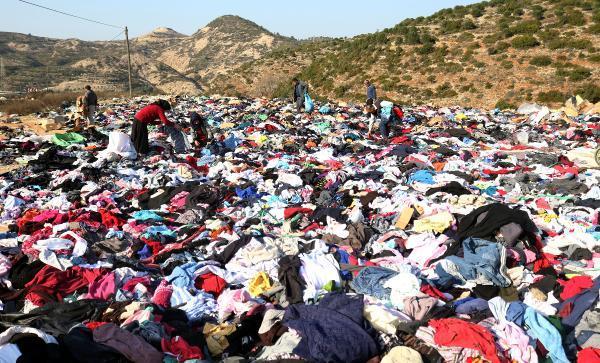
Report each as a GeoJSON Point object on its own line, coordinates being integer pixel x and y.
{"type": "Point", "coordinates": [403, 285]}
{"type": "Point", "coordinates": [317, 270]}
{"type": "Point", "coordinates": [9, 353]}
{"type": "Point", "coordinates": [119, 143]}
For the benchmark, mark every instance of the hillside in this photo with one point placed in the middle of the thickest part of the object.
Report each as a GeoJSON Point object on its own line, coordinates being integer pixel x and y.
{"type": "Point", "coordinates": [490, 53]}
{"type": "Point", "coordinates": [163, 60]}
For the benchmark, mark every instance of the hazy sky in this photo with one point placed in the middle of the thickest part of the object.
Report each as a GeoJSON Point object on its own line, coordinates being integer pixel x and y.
{"type": "Point", "coordinates": [301, 19]}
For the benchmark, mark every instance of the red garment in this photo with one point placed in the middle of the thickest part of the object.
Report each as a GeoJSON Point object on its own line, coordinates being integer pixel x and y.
{"type": "Point", "coordinates": [589, 355]}
{"type": "Point", "coordinates": [181, 349]}
{"type": "Point", "coordinates": [151, 113]}
{"type": "Point", "coordinates": [129, 286]}
{"type": "Point", "coordinates": [433, 292]}
{"type": "Point", "coordinates": [574, 286]}
{"type": "Point", "coordinates": [53, 284]}
{"type": "Point", "coordinates": [210, 283]}
{"type": "Point", "coordinates": [454, 332]}
{"type": "Point", "coordinates": [95, 324]}
{"type": "Point", "coordinates": [291, 212]}
{"type": "Point", "coordinates": [110, 220]}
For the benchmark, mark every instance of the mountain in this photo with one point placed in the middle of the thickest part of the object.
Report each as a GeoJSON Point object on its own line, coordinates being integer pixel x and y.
{"type": "Point", "coordinates": [162, 60]}
{"type": "Point", "coordinates": [498, 52]}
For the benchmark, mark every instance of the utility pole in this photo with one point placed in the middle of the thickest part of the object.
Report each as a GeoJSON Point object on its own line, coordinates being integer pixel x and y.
{"type": "Point", "coordinates": [128, 60]}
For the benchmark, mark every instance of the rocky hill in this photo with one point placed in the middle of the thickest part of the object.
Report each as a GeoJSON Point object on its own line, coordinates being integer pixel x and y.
{"type": "Point", "coordinates": [498, 52]}
{"type": "Point", "coordinates": [495, 52]}
{"type": "Point", "coordinates": [163, 60]}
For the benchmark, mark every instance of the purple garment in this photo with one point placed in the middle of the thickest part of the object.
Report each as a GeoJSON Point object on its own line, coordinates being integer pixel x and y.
{"type": "Point", "coordinates": [332, 331]}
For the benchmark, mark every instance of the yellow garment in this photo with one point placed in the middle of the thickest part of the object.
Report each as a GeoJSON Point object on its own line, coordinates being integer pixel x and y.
{"type": "Point", "coordinates": [435, 223]}
{"type": "Point", "coordinates": [259, 284]}
{"type": "Point", "coordinates": [216, 337]}
{"type": "Point", "coordinates": [405, 217]}
{"type": "Point", "coordinates": [226, 125]}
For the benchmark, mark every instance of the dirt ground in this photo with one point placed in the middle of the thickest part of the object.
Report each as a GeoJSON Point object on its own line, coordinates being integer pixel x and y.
{"type": "Point", "coordinates": [30, 123]}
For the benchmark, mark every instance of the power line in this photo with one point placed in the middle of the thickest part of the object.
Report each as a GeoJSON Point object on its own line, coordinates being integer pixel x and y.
{"type": "Point", "coordinates": [116, 36]}
{"type": "Point", "coordinates": [72, 15]}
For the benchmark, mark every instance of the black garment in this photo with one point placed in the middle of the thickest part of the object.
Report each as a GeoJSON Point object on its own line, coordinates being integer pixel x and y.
{"type": "Point", "coordinates": [139, 137]}
{"type": "Point", "coordinates": [580, 254]}
{"type": "Point", "coordinates": [289, 277]}
{"type": "Point", "coordinates": [497, 216]}
{"type": "Point", "coordinates": [35, 350]}
{"type": "Point", "coordinates": [451, 188]}
{"type": "Point", "coordinates": [202, 194]}
{"type": "Point", "coordinates": [56, 318]}
{"type": "Point", "coordinates": [79, 346]}
{"type": "Point", "coordinates": [231, 250]}
{"type": "Point", "coordinates": [590, 203]}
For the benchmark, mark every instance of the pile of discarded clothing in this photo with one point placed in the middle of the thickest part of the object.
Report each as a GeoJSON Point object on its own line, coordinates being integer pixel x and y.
{"type": "Point", "coordinates": [469, 236]}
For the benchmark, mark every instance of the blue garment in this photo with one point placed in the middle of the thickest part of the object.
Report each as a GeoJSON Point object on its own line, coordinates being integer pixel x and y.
{"type": "Point", "coordinates": [580, 303]}
{"type": "Point", "coordinates": [146, 215]}
{"type": "Point", "coordinates": [370, 281]}
{"type": "Point", "coordinates": [481, 259]}
{"type": "Point", "coordinates": [248, 193]}
{"type": "Point", "coordinates": [183, 275]}
{"type": "Point", "coordinates": [324, 110]}
{"type": "Point", "coordinates": [538, 327]}
{"type": "Point", "coordinates": [541, 329]}
{"type": "Point", "coordinates": [160, 231]}
{"type": "Point", "coordinates": [333, 331]}
{"type": "Point", "coordinates": [145, 252]}
{"type": "Point", "coordinates": [422, 176]}
{"type": "Point", "coordinates": [231, 142]}
{"type": "Point", "coordinates": [180, 144]}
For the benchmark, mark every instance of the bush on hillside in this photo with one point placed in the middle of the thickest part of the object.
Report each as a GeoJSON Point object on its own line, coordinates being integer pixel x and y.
{"type": "Point", "coordinates": [445, 91]}
{"type": "Point", "coordinates": [525, 27]}
{"type": "Point", "coordinates": [552, 96]}
{"type": "Point", "coordinates": [590, 92]}
{"type": "Point", "coordinates": [504, 105]}
{"type": "Point", "coordinates": [499, 48]}
{"type": "Point", "coordinates": [538, 12]}
{"type": "Point", "coordinates": [525, 41]}
{"type": "Point", "coordinates": [572, 17]}
{"type": "Point", "coordinates": [541, 61]}
{"type": "Point", "coordinates": [576, 74]}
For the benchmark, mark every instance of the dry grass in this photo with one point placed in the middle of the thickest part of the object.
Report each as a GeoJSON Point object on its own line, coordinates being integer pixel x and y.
{"type": "Point", "coordinates": [40, 102]}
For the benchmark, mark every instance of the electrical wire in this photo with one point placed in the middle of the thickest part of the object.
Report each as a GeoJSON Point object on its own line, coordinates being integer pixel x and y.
{"type": "Point", "coordinates": [116, 36]}
{"type": "Point", "coordinates": [72, 15]}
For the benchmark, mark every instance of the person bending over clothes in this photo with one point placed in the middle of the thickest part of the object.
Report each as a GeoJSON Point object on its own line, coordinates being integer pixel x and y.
{"type": "Point", "coordinates": [153, 113]}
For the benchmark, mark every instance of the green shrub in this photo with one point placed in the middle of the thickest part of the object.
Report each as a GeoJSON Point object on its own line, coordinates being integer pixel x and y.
{"type": "Point", "coordinates": [499, 48]}
{"type": "Point", "coordinates": [477, 10]}
{"type": "Point", "coordinates": [506, 64]}
{"type": "Point", "coordinates": [590, 92]}
{"type": "Point", "coordinates": [505, 105]}
{"type": "Point", "coordinates": [525, 41]}
{"type": "Point", "coordinates": [576, 74]}
{"type": "Point", "coordinates": [541, 61]}
{"type": "Point", "coordinates": [445, 91]}
{"type": "Point", "coordinates": [525, 27]}
{"type": "Point", "coordinates": [552, 96]}
{"type": "Point", "coordinates": [431, 78]}
{"type": "Point", "coordinates": [407, 77]}
{"type": "Point", "coordinates": [573, 17]}
{"type": "Point", "coordinates": [538, 12]}
{"type": "Point", "coordinates": [466, 36]}
{"type": "Point", "coordinates": [594, 58]}
{"type": "Point", "coordinates": [594, 29]}
{"type": "Point", "coordinates": [488, 85]}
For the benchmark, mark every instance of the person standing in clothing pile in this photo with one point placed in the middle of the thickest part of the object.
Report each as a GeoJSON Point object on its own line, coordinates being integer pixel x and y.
{"type": "Point", "coordinates": [90, 104]}
{"type": "Point", "coordinates": [300, 89]}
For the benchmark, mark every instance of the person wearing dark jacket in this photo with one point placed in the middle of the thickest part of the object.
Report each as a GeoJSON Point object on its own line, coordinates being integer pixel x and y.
{"type": "Point", "coordinates": [90, 103]}
{"type": "Point", "coordinates": [153, 113]}
{"type": "Point", "coordinates": [300, 88]}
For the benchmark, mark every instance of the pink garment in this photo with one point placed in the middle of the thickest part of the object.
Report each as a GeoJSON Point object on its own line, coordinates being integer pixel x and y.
{"type": "Point", "coordinates": [178, 201]}
{"type": "Point", "coordinates": [129, 286]}
{"type": "Point", "coordinates": [234, 301]}
{"type": "Point", "coordinates": [512, 338]}
{"type": "Point", "coordinates": [102, 288]}
{"type": "Point", "coordinates": [425, 247]}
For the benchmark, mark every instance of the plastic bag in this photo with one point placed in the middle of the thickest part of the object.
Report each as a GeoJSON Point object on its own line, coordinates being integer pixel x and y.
{"type": "Point", "coordinates": [120, 143]}
{"type": "Point", "coordinates": [309, 105]}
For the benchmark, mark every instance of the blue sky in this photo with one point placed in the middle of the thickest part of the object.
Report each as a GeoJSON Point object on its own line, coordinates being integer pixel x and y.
{"type": "Point", "coordinates": [300, 19]}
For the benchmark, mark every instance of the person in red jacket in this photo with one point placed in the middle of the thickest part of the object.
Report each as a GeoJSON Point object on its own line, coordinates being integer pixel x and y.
{"type": "Point", "coordinates": [154, 113]}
